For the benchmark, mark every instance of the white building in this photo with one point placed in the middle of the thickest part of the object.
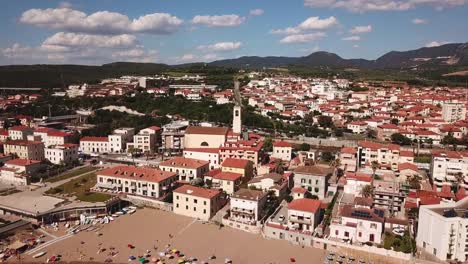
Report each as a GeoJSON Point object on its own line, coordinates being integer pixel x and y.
{"type": "Point", "coordinates": [304, 215]}
{"type": "Point", "coordinates": [247, 206]}
{"type": "Point", "coordinates": [452, 112]}
{"type": "Point", "coordinates": [282, 150]}
{"type": "Point", "coordinates": [314, 179]}
{"type": "Point", "coordinates": [443, 230]}
{"type": "Point", "coordinates": [446, 165]}
{"type": "Point", "coordinates": [358, 224]}
{"type": "Point", "coordinates": [357, 127]}
{"type": "Point", "coordinates": [17, 172]}
{"type": "Point", "coordinates": [146, 140]}
{"type": "Point", "coordinates": [119, 138]}
{"type": "Point", "coordinates": [96, 145]}
{"type": "Point", "coordinates": [62, 154]}
{"type": "Point", "coordinates": [208, 154]}
{"type": "Point", "coordinates": [139, 181]}
{"type": "Point", "coordinates": [197, 202]}
{"type": "Point", "coordinates": [355, 182]}
{"type": "Point", "coordinates": [19, 132]}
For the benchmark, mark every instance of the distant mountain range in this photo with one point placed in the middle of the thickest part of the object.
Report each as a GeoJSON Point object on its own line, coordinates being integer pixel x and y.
{"type": "Point", "coordinates": [455, 54]}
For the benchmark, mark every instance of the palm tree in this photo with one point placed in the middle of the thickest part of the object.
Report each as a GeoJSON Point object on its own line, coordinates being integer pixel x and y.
{"type": "Point", "coordinates": [367, 191]}
{"type": "Point", "coordinates": [336, 163]}
{"type": "Point", "coordinates": [414, 181]}
{"type": "Point", "coordinates": [459, 178]}
{"type": "Point", "coordinates": [375, 165]}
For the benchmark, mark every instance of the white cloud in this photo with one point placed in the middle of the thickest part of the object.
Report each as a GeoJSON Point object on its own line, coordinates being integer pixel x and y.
{"type": "Point", "coordinates": [81, 48]}
{"type": "Point", "coordinates": [256, 12]}
{"type": "Point", "coordinates": [436, 43]}
{"type": "Point", "coordinates": [352, 38]}
{"type": "Point", "coordinates": [361, 29]}
{"type": "Point", "coordinates": [355, 46]}
{"type": "Point", "coordinates": [311, 23]}
{"type": "Point", "coordinates": [103, 22]}
{"type": "Point", "coordinates": [383, 5]}
{"type": "Point", "coordinates": [219, 21]}
{"type": "Point", "coordinates": [211, 57]}
{"type": "Point", "coordinates": [189, 57]}
{"type": "Point", "coordinates": [85, 40]}
{"type": "Point", "coordinates": [220, 46]}
{"type": "Point", "coordinates": [65, 4]}
{"type": "Point", "coordinates": [302, 38]}
{"type": "Point", "coordinates": [419, 21]}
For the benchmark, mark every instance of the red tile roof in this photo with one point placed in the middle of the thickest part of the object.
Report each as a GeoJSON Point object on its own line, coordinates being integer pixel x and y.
{"type": "Point", "coordinates": [305, 205]}
{"type": "Point", "coordinates": [98, 139]}
{"type": "Point", "coordinates": [22, 162]}
{"type": "Point", "coordinates": [358, 176]}
{"type": "Point", "coordinates": [197, 191]}
{"type": "Point", "coordinates": [137, 173]}
{"type": "Point", "coordinates": [348, 150]}
{"type": "Point", "coordinates": [235, 163]}
{"type": "Point", "coordinates": [227, 176]}
{"type": "Point", "coordinates": [298, 190]}
{"type": "Point", "coordinates": [282, 144]}
{"type": "Point", "coordinates": [407, 166]}
{"type": "Point", "coordinates": [204, 150]}
{"type": "Point", "coordinates": [181, 162]}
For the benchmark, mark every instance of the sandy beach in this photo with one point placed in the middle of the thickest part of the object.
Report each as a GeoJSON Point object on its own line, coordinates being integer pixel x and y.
{"type": "Point", "coordinates": [149, 228]}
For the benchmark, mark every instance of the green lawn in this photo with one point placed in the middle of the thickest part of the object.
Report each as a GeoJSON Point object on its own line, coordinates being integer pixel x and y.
{"type": "Point", "coordinates": [70, 174]}
{"type": "Point", "coordinates": [79, 187]}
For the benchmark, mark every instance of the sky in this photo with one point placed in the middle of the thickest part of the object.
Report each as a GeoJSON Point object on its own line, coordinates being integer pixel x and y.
{"type": "Point", "coordinates": [183, 31]}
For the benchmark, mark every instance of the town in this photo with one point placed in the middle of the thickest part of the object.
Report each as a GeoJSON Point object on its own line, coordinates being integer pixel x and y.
{"type": "Point", "coordinates": [345, 172]}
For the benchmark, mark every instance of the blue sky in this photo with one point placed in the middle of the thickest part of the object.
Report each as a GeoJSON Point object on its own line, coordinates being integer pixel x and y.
{"type": "Point", "coordinates": [179, 31]}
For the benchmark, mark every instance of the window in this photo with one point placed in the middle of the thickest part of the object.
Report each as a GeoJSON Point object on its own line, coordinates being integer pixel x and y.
{"type": "Point", "coordinates": [204, 202]}
{"type": "Point", "coordinates": [195, 201]}
{"type": "Point", "coordinates": [194, 209]}
{"type": "Point", "coordinates": [204, 211]}
{"type": "Point", "coordinates": [337, 232]}
{"type": "Point", "coordinates": [204, 144]}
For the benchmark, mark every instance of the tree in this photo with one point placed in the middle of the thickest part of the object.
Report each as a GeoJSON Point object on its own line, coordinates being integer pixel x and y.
{"type": "Point", "coordinates": [459, 178]}
{"type": "Point", "coordinates": [325, 121]}
{"type": "Point", "coordinates": [268, 144]}
{"type": "Point", "coordinates": [400, 139]}
{"type": "Point", "coordinates": [367, 191]}
{"type": "Point", "coordinates": [327, 156]}
{"type": "Point", "coordinates": [414, 181]}
{"type": "Point", "coordinates": [304, 147]}
{"type": "Point", "coordinates": [450, 140]}
{"type": "Point", "coordinates": [375, 165]}
{"type": "Point", "coordinates": [371, 133]}
{"type": "Point", "coordinates": [309, 119]}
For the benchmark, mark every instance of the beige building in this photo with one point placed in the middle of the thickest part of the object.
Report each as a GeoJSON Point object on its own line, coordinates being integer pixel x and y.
{"type": "Point", "coordinates": [304, 215]}
{"type": "Point", "coordinates": [196, 202]}
{"type": "Point", "coordinates": [247, 206]}
{"type": "Point", "coordinates": [146, 140]}
{"type": "Point", "coordinates": [314, 179]}
{"type": "Point", "coordinates": [90, 145]}
{"type": "Point", "coordinates": [145, 182]}
{"type": "Point", "coordinates": [205, 137]}
{"type": "Point", "coordinates": [186, 169]}
{"type": "Point", "coordinates": [18, 171]}
{"type": "Point", "coordinates": [241, 166]}
{"type": "Point", "coordinates": [24, 149]}
{"type": "Point", "coordinates": [229, 182]}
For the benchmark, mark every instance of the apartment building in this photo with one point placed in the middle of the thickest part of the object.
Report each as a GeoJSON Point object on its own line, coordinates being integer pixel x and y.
{"type": "Point", "coordinates": [185, 168]}
{"type": "Point", "coordinates": [357, 127]}
{"type": "Point", "coordinates": [358, 224]}
{"type": "Point", "coordinates": [197, 202]}
{"type": "Point", "coordinates": [386, 155]}
{"type": "Point", "coordinates": [390, 194]}
{"type": "Point", "coordinates": [146, 140]}
{"type": "Point", "coordinates": [172, 137]}
{"type": "Point", "coordinates": [241, 166]}
{"type": "Point", "coordinates": [447, 165]}
{"type": "Point", "coordinates": [247, 206]}
{"type": "Point", "coordinates": [62, 154]}
{"type": "Point", "coordinates": [304, 215]}
{"type": "Point", "coordinates": [208, 154]}
{"type": "Point", "coordinates": [348, 157]}
{"type": "Point", "coordinates": [24, 149]}
{"type": "Point", "coordinates": [140, 181]}
{"type": "Point", "coordinates": [19, 132]}
{"type": "Point", "coordinates": [229, 182]}
{"type": "Point", "coordinates": [94, 145]}
{"type": "Point", "coordinates": [355, 182]}
{"type": "Point", "coordinates": [242, 149]}
{"type": "Point", "coordinates": [454, 111]}
{"type": "Point", "coordinates": [443, 230]}
{"type": "Point", "coordinates": [385, 131]}
{"type": "Point", "coordinates": [313, 178]}
{"type": "Point", "coordinates": [282, 150]}
{"type": "Point", "coordinates": [119, 138]}
{"type": "Point", "coordinates": [18, 171]}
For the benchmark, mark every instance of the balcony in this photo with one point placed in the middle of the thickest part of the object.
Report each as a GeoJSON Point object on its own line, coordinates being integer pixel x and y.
{"type": "Point", "coordinates": [295, 219]}
{"type": "Point", "coordinates": [237, 210]}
